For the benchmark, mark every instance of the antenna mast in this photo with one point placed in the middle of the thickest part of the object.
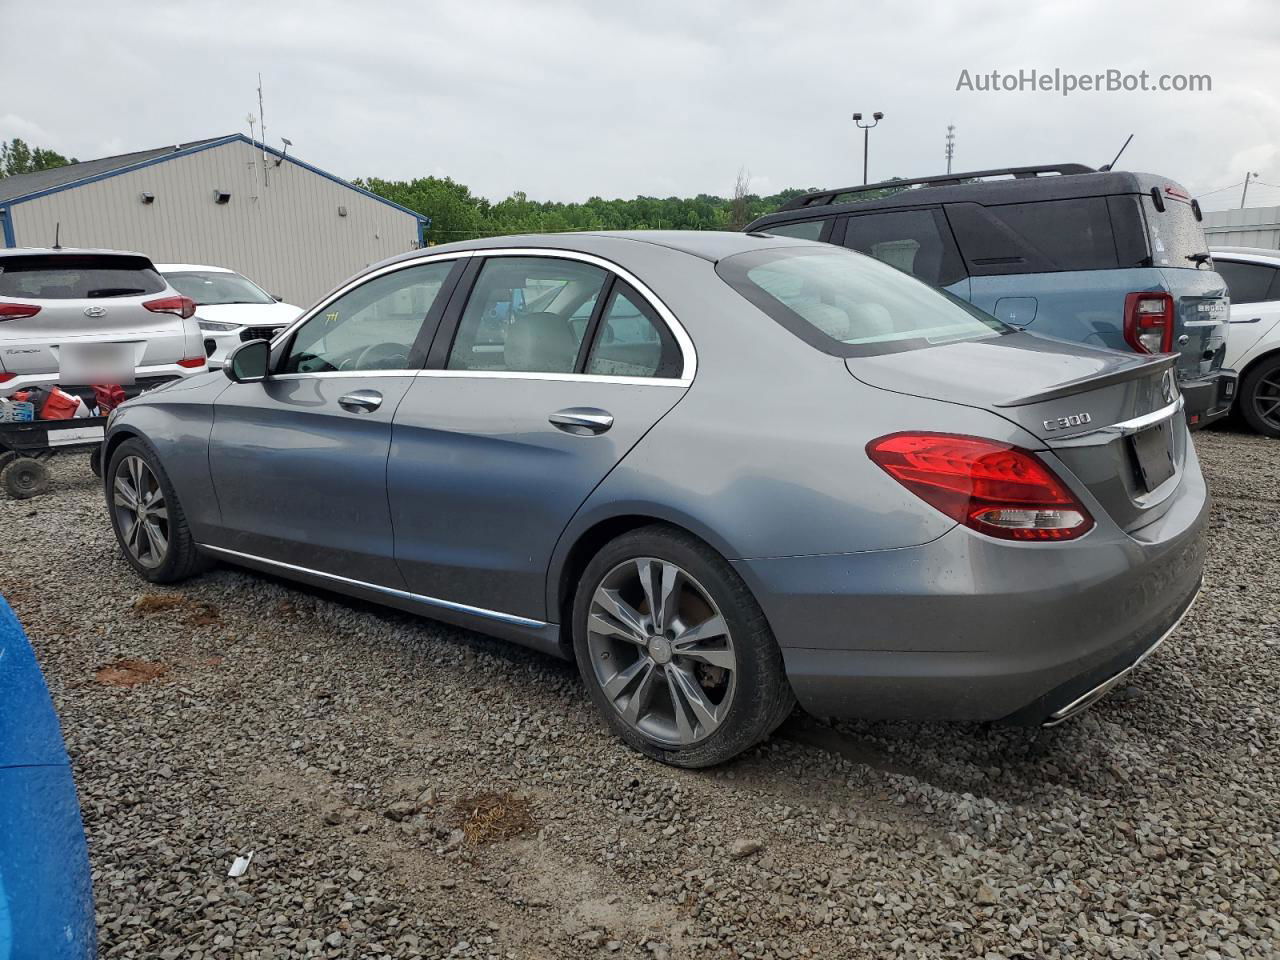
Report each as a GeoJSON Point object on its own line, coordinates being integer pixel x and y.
{"type": "Point", "coordinates": [951, 144]}
{"type": "Point", "coordinates": [262, 119]}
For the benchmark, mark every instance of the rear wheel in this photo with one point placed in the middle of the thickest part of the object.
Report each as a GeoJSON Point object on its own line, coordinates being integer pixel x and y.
{"type": "Point", "coordinates": [675, 651]}
{"type": "Point", "coordinates": [147, 518]}
{"type": "Point", "coordinates": [23, 477]}
{"type": "Point", "coordinates": [1260, 397]}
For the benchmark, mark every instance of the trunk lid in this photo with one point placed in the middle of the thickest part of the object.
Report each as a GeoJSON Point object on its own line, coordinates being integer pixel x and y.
{"type": "Point", "coordinates": [1087, 405]}
{"type": "Point", "coordinates": [1201, 313]}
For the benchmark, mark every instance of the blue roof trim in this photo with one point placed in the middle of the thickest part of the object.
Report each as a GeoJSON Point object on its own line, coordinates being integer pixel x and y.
{"type": "Point", "coordinates": [6, 226]}
{"type": "Point", "coordinates": [221, 142]}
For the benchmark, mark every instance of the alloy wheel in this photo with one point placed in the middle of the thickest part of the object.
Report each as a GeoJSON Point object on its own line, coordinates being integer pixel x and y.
{"type": "Point", "coordinates": [661, 651]}
{"type": "Point", "coordinates": [1266, 399]}
{"type": "Point", "coordinates": [141, 512]}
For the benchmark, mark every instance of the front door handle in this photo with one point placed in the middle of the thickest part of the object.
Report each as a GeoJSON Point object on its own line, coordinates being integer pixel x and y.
{"type": "Point", "coordinates": [582, 421]}
{"type": "Point", "coordinates": [361, 401]}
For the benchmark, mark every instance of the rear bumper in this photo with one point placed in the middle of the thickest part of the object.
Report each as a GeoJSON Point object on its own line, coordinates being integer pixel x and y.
{"type": "Point", "coordinates": [145, 378]}
{"type": "Point", "coordinates": [968, 628]}
{"type": "Point", "coordinates": [1208, 398]}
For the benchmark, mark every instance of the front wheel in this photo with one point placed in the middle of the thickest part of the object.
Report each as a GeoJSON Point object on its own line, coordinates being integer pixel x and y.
{"type": "Point", "coordinates": [147, 518]}
{"type": "Point", "coordinates": [675, 651]}
{"type": "Point", "coordinates": [1260, 397]}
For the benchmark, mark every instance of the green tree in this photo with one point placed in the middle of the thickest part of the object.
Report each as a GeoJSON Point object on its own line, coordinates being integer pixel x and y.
{"type": "Point", "coordinates": [16, 157]}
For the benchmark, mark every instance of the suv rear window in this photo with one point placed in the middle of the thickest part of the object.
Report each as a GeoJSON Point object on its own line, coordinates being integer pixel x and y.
{"type": "Point", "coordinates": [75, 276]}
{"type": "Point", "coordinates": [1176, 235]}
{"type": "Point", "coordinates": [1039, 237]}
{"type": "Point", "coordinates": [851, 305]}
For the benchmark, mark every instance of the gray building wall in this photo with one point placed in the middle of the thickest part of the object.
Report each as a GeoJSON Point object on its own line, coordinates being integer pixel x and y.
{"type": "Point", "coordinates": [287, 236]}
{"type": "Point", "coordinates": [1250, 227]}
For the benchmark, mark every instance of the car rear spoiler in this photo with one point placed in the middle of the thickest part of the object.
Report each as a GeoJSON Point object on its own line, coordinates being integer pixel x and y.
{"type": "Point", "coordinates": [1147, 366]}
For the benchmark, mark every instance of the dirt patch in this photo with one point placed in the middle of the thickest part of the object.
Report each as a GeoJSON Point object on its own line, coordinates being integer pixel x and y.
{"type": "Point", "coordinates": [204, 615]}
{"type": "Point", "coordinates": [129, 673]}
{"type": "Point", "coordinates": [489, 816]}
{"type": "Point", "coordinates": [150, 603]}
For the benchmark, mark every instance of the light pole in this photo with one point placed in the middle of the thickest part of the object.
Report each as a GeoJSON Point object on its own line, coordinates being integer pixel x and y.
{"type": "Point", "coordinates": [866, 138]}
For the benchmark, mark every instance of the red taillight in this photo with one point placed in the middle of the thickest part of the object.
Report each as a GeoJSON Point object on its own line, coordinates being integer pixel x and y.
{"type": "Point", "coordinates": [183, 307]}
{"type": "Point", "coordinates": [1148, 322]}
{"type": "Point", "coordinates": [191, 362]}
{"type": "Point", "coordinates": [17, 311]}
{"type": "Point", "coordinates": [994, 488]}
{"type": "Point", "coordinates": [6, 377]}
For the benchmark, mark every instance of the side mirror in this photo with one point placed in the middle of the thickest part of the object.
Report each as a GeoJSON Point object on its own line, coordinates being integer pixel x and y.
{"type": "Point", "coordinates": [248, 362]}
{"type": "Point", "coordinates": [277, 298]}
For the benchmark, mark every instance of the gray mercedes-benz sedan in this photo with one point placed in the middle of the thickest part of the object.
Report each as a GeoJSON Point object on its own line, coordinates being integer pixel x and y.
{"type": "Point", "coordinates": [723, 471]}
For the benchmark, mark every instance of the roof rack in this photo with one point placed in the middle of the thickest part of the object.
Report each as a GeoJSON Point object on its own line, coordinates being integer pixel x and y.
{"type": "Point", "coordinates": [821, 197]}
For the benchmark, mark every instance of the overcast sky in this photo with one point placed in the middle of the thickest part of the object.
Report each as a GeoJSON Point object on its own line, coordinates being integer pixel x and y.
{"type": "Point", "coordinates": [565, 100]}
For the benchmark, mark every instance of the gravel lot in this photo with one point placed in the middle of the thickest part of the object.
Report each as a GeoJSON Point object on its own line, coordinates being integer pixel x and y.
{"type": "Point", "coordinates": [414, 790]}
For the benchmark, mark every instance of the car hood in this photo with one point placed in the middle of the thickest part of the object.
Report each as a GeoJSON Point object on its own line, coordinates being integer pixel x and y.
{"type": "Point", "coordinates": [250, 314]}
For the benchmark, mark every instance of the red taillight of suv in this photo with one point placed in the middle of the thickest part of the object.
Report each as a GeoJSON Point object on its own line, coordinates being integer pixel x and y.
{"type": "Point", "coordinates": [17, 311]}
{"type": "Point", "coordinates": [1148, 322]}
{"type": "Point", "coordinates": [994, 488]}
{"type": "Point", "coordinates": [191, 362]}
{"type": "Point", "coordinates": [183, 307]}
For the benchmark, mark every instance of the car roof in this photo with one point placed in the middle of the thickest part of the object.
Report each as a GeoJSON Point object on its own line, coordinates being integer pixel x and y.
{"type": "Point", "coordinates": [181, 267]}
{"type": "Point", "coordinates": [1246, 254]}
{"type": "Point", "coordinates": [711, 245]}
{"type": "Point", "coordinates": [59, 251]}
{"type": "Point", "coordinates": [1012, 189]}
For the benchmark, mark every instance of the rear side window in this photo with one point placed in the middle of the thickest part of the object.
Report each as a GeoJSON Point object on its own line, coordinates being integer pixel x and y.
{"type": "Point", "coordinates": [804, 230]}
{"type": "Point", "coordinates": [917, 242]}
{"type": "Point", "coordinates": [1041, 237]}
{"type": "Point", "coordinates": [1249, 282]}
{"type": "Point", "coordinates": [631, 341]}
{"type": "Point", "coordinates": [1177, 239]}
{"type": "Point", "coordinates": [851, 306]}
{"type": "Point", "coordinates": [77, 277]}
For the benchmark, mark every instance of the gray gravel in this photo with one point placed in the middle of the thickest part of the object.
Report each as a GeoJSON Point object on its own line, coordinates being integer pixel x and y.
{"type": "Point", "coordinates": [413, 790]}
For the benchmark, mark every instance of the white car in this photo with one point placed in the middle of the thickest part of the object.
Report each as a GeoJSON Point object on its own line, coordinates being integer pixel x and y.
{"type": "Point", "coordinates": [1253, 346]}
{"type": "Point", "coordinates": [230, 308]}
{"type": "Point", "coordinates": [80, 317]}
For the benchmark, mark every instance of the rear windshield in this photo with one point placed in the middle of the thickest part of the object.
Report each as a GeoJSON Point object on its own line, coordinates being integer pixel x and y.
{"type": "Point", "coordinates": [852, 305]}
{"type": "Point", "coordinates": [77, 277]}
{"type": "Point", "coordinates": [210, 288]}
{"type": "Point", "coordinates": [1176, 235]}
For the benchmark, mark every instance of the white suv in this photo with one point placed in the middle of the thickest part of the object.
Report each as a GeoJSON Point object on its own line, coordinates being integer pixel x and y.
{"type": "Point", "coordinates": [1253, 348]}
{"type": "Point", "coordinates": [79, 317]}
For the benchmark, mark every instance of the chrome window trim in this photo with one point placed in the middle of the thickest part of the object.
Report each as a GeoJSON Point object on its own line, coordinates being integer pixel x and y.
{"type": "Point", "coordinates": [688, 353]}
{"type": "Point", "coordinates": [389, 591]}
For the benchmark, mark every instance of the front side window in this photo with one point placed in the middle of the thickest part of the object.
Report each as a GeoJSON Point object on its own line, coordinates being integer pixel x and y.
{"type": "Point", "coordinates": [915, 241]}
{"type": "Point", "coordinates": [631, 341]}
{"type": "Point", "coordinates": [1246, 282]}
{"type": "Point", "coordinates": [373, 327]}
{"type": "Point", "coordinates": [526, 314]}
{"type": "Point", "coordinates": [209, 288]}
{"type": "Point", "coordinates": [849, 305]}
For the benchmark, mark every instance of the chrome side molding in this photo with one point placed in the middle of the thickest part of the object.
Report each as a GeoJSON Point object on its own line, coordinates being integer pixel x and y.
{"type": "Point", "coordinates": [510, 618]}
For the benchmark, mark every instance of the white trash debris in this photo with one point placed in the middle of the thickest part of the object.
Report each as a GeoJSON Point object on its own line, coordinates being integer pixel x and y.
{"type": "Point", "coordinates": [240, 865]}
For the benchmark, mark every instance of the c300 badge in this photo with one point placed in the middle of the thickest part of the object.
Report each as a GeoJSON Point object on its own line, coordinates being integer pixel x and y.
{"type": "Point", "coordinates": [1071, 420]}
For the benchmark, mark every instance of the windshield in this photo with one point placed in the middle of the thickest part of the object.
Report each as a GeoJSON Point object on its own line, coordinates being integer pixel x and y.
{"type": "Point", "coordinates": [210, 288]}
{"type": "Point", "coordinates": [852, 305]}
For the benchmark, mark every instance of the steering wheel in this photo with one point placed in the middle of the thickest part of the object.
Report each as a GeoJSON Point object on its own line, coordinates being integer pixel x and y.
{"type": "Point", "coordinates": [381, 356]}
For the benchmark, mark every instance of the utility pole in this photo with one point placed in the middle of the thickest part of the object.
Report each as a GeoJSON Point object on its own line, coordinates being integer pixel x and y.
{"type": "Point", "coordinates": [262, 120]}
{"type": "Point", "coordinates": [1245, 192]}
{"type": "Point", "coordinates": [866, 138]}
{"type": "Point", "coordinates": [951, 144]}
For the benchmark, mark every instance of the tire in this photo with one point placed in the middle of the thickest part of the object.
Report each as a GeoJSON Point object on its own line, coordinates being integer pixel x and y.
{"type": "Point", "coordinates": [170, 556]}
{"type": "Point", "coordinates": [95, 461]}
{"type": "Point", "coordinates": [24, 477]}
{"type": "Point", "coordinates": [1259, 390]}
{"type": "Point", "coordinates": [731, 704]}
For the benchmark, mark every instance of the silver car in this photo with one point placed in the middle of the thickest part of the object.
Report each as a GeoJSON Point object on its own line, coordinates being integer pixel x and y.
{"type": "Point", "coordinates": [79, 317]}
{"type": "Point", "coordinates": [724, 472]}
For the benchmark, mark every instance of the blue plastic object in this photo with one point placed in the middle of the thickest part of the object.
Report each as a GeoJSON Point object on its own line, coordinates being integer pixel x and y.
{"type": "Point", "coordinates": [46, 896]}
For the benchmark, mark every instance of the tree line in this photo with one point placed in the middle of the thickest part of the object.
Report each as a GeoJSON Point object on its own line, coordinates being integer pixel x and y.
{"type": "Point", "coordinates": [16, 157]}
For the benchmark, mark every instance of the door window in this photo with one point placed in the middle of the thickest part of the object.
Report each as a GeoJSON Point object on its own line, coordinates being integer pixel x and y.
{"type": "Point", "coordinates": [526, 314]}
{"type": "Point", "coordinates": [1246, 282]}
{"type": "Point", "coordinates": [1039, 237]}
{"type": "Point", "coordinates": [373, 327]}
{"type": "Point", "coordinates": [631, 341]}
{"type": "Point", "coordinates": [915, 241]}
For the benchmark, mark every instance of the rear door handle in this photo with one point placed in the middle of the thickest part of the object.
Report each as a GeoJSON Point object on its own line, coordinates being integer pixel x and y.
{"type": "Point", "coordinates": [582, 421]}
{"type": "Point", "coordinates": [361, 401]}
